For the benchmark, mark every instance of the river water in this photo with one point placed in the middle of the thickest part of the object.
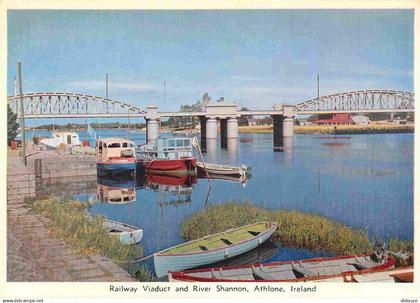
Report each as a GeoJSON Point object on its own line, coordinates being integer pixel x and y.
{"type": "Point", "coordinates": [363, 181]}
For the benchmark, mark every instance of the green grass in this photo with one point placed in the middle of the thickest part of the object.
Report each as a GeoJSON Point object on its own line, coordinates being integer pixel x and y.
{"type": "Point", "coordinates": [296, 229]}
{"type": "Point", "coordinates": [87, 235]}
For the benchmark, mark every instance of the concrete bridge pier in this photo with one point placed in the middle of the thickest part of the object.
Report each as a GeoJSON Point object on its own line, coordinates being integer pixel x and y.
{"type": "Point", "coordinates": [232, 128]}
{"type": "Point", "coordinates": [288, 127]}
{"type": "Point", "coordinates": [211, 128]}
{"type": "Point", "coordinates": [152, 130]}
{"type": "Point", "coordinates": [152, 124]}
{"type": "Point", "coordinates": [277, 132]}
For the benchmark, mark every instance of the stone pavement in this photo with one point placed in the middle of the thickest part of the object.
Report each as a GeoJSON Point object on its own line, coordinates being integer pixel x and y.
{"type": "Point", "coordinates": [33, 252]}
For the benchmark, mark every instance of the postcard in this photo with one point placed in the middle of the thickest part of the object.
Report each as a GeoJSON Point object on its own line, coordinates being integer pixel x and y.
{"type": "Point", "coordinates": [225, 150]}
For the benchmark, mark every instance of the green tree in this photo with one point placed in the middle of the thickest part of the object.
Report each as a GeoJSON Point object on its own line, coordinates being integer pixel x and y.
{"type": "Point", "coordinates": [12, 125]}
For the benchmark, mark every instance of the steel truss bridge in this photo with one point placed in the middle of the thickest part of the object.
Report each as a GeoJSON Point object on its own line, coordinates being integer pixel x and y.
{"type": "Point", "coordinates": [71, 105]}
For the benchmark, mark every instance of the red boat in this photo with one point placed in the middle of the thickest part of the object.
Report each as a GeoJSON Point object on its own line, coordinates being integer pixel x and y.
{"type": "Point", "coordinates": [315, 269]}
{"type": "Point", "coordinates": [170, 156]}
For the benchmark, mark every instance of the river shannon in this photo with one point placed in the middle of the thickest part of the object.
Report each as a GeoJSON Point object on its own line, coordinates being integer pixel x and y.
{"type": "Point", "coordinates": [362, 181]}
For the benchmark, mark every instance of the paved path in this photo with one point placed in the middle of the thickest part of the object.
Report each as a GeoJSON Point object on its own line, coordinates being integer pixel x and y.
{"type": "Point", "coordinates": [33, 253]}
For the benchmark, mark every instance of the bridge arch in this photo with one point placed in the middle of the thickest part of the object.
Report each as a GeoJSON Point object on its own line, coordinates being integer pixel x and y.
{"type": "Point", "coordinates": [359, 101]}
{"type": "Point", "coordinates": [70, 105]}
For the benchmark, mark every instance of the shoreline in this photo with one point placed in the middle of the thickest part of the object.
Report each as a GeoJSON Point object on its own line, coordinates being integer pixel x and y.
{"type": "Point", "coordinates": [334, 129]}
{"type": "Point", "coordinates": [301, 130]}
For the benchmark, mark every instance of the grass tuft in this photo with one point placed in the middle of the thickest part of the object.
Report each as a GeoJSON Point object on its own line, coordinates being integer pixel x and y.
{"type": "Point", "coordinates": [296, 229]}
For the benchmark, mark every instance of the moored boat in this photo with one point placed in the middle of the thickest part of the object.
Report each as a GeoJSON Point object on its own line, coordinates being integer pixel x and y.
{"type": "Point", "coordinates": [394, 275]}
{"type": "Point", "coordinates": [212, 248]}
{"type": "Point", "coordinates": [222, 170]}
{"type": "Point", "coordinates": [170, 156]}
{"type": "Point", "coordinates": [127, 234]}
{"type": "Point", "coordinates": [115, 155]}
{"type": "Point", "coordinates": [58, 139]}
{"type": "Point", "coordinates": [314, 269]}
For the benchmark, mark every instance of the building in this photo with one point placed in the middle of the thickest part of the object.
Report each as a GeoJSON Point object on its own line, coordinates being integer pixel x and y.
{"type": "Point", "coordinates": [334, 119]}
{"type": "Point", "coordinates": [360, 120]}
{"type": "Point", "coordinates": [252, 121]}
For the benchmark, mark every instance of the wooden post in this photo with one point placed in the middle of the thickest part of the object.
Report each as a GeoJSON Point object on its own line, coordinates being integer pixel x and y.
{"type": "Point", "coordinates": [22, 114]}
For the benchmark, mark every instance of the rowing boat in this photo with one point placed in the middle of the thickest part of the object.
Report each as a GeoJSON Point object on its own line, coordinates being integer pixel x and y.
{"type": "Point", "coordinates": [127, 234]}
{"type": "Point", "coordinates": [315, 269]}
{"type": "Point", "coordinates": [224, 170]}
{"type": "Point", "coordinates": [212, 248]}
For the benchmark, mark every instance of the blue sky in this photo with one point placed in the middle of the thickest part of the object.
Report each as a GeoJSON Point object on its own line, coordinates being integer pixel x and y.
{"type": "Point", "coordinates": [255, 58]}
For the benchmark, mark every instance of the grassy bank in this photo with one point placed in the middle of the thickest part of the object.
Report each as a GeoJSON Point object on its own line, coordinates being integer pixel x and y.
{"type": "Point", "coordinates": [331, 129]}
{"type": "Point", "coordinates": [87, 235]}
{"type": "Point", "coordinates": [299, 230]}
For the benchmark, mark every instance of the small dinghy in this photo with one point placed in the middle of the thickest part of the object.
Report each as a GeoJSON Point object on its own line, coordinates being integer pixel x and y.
{"type": "Point", "coordinates": [126, 233]}
{"type": "Point", "coordinates": [224, 170]}
{"type": "Point", "coordinates": [212, 248]}
{"type": "Point", "coordinates": [315, 269]}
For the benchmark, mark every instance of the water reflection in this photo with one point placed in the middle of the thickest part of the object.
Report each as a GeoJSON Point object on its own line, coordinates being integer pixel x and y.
{"type": "Point", "coordinates": [232, 147]}
{"type": "Point", "coordinates": [176, 189]}
{"type": "Point", "coordinates": [211, 150]}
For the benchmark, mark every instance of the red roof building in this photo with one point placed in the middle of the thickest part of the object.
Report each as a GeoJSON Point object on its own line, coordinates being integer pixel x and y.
{"type": "Point", "coordinates": [334, 119]}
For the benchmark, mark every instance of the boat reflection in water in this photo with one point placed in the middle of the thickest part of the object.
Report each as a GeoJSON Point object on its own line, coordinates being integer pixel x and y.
{"type": "Point", "coordinates": [175, 189]}
{"type": "Point", "coordinates": [119, 189]}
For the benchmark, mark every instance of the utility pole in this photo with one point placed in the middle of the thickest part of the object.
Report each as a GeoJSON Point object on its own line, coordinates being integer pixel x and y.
{"type": "Point", "coordinates": [106, 88]}
{"type": "Point", "coordinates": [318, 85]}
{"type": "Point", "coordinates": [22, 114]}
{"type": "Point", "coordinates": [164, 92]}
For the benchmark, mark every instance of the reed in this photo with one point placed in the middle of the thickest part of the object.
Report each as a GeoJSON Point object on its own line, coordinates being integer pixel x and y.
{"type": "Point", "coordinates": [87, 235]}
{"type": "Point", "coordinates": [406, 247]}
{"type": "Point", "coordinates": [300, 230]}
{"type": "Point", "coordinates": [143, 274]}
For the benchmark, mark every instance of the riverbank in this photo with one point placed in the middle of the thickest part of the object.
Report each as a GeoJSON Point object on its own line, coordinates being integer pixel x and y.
{"type": "Point", "coordinates": [334, 129]}
{"type": "Point", "coordinates": [34, 252]}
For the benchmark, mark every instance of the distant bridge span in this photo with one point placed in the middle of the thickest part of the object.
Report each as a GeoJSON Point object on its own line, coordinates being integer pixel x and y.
{"type": "Point", "coordinates": [72, 105]}
{"type": "Point", "coordinates": [362, 101]}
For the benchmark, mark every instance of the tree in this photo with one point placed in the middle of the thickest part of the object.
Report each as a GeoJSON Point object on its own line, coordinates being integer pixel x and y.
{"type": "Point", "coordinates": [198, 106]}
{"type": "Point", "coordinates": [12, 125]}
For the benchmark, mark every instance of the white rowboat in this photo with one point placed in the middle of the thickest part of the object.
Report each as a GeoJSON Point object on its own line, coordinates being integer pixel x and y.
{"type": "Point", "coordinates": [212, 248]}
{"type": "Point", "coordinates": [127, 234]}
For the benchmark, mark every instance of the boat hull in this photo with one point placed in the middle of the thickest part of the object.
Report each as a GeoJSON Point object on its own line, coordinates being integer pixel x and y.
{"type": "Point", "coordinates": [132, 237]}
{"type": "Point", "coordinates": [172, 263]}
{"type": "Point", "coordinates": [191, 276]}
{"type": "Point", "coordinates": [165, 165]}
{"type": "Point", "coordinates": [117, 166]}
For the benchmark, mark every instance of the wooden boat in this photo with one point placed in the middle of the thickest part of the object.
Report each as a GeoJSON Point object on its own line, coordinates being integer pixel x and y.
{"type": "Point", "coordinates": [394, 275]}
{"type": "Point", "coordinates": [313, 269]}
{"type": "Point", "coordinates": [225, 170]}
{"type": "Point", "coordinates": [212, 248]}
{"type": "Point", "coordinates": [127, 234]}
{"type": "Point", "coordinates": [173, 155]}
{"type": "Point", "coordinates": [115, 155]}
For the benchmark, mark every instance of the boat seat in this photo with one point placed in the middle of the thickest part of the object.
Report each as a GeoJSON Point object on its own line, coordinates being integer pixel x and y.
{"type": "Point", "coordinates": [226, 241]}
{"type": "Point", "coordinates": [360, 264]}
{"type": "Point", "coordinates": [260, 275]}
{"type": "Point", "coordinates": [301, 271]}
{"type": "Point", "coordinates": [254, 233]}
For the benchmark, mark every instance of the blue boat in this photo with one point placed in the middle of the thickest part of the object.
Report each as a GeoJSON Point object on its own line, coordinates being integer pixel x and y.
{"type": "Point", "coordinates": [115, 155]}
